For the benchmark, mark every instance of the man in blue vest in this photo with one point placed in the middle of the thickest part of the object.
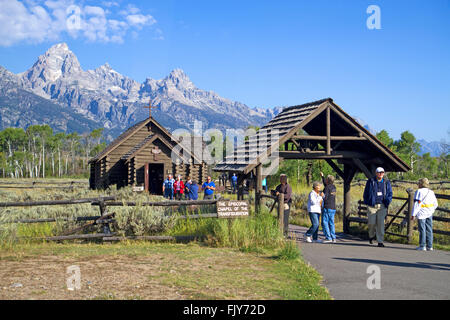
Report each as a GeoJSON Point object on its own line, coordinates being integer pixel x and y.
{"type": "Point", "coordinates": [168, 187]}
{"type": "Point", "coordinates": [378, 197]}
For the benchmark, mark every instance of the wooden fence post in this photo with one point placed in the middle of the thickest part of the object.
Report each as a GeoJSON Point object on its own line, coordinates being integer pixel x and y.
{"type": "Point", "coordinates": [281, 211]}
{"type": "Point", "coordinates": [257, 201]}
{"type": "Point", "coordinates": [103, 212]}
{"type": "Point", "coordinates": [240, 192]}
{"type": "Point", "coordinates": [409, 224]}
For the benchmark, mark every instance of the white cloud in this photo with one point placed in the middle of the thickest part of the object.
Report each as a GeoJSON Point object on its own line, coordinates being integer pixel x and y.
{"type": "Point", "coordinates": [130, 9]}
{"type": "Point", "coordinates": [35, 21]}
{"type": "Point", "coordinates": [110, 4]}
{"type": "Point", "coordinates": [140, 20]}
{"type": "Point", "coordinates": [94, 11]}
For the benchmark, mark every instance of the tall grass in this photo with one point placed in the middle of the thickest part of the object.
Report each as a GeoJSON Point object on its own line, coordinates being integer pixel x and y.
{"type": "Point", "coordinates": [248, 234]}
{"type": "Point", "coordinates": [255, 231]}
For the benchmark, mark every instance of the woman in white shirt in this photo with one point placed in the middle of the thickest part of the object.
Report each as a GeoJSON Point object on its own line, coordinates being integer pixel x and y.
{"type": "Point", "coordinates": [425, 203]}
{"type": "Point", "coordinates": [314, 210]}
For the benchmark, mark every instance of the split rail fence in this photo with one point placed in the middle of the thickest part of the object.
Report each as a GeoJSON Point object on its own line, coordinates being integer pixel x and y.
{"type": "Point", "coordinates": [106, 217]}
{"type": "Point", "coordinates": [42, 184]}
{"type": "Point", "coordinates": [439, 185]}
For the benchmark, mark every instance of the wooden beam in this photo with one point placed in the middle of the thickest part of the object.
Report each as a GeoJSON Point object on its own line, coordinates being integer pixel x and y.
{"type": "Point", "coordinates": [328, 132]}
{"type": "Point", "coordinates": [370, 138]}
{"type": "Point", "coordinates": [324, 138]}
{"type": "Point", "coordinates": [297, 145]}
{"type": "Point", "coordinates": [335, 168]}
{"type": "Point", "coordinates": [361, 166]}
{"type": "Point", "coordinates": [321, 155]}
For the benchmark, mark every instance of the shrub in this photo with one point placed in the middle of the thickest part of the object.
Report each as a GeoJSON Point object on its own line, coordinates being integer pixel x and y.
{"type": "Point", "coordinates": [142, 220]}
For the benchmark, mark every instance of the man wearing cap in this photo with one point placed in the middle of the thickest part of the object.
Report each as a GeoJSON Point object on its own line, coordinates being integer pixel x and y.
{"type": "Point", "coordinates": [378, 197]}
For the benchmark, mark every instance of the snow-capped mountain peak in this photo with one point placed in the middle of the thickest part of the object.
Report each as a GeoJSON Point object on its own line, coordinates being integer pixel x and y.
{"type": "Point", "coordinates": [115, 101]}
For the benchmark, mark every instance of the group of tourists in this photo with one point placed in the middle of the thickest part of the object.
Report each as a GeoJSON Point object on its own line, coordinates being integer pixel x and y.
{"type": "Point", "coordinates": [178, 190]}
{"type": "Point", "coordinates": [322, 204]}
{"type": "Point", "coordinates": [377, 196]}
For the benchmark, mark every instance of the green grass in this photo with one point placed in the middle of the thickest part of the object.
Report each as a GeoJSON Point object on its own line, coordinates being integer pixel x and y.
{"type": "Point", "coordinates": [289, 251]}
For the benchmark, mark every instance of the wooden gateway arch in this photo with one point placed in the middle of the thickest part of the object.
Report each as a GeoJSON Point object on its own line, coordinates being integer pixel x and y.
{"type": "Point", "coordinates": [317, 130]}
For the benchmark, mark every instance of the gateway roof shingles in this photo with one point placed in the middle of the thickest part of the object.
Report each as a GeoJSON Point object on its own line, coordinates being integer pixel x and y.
{"type": "Point", "coordinates": [288, 122]}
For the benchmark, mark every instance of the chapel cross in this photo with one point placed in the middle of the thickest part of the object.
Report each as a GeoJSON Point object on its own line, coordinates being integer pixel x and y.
{"type": "Point", "coordinates": [150, 107]}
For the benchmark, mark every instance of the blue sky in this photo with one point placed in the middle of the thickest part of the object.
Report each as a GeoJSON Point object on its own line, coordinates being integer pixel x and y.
{"type": "Point", "coordinates": [262, 53]}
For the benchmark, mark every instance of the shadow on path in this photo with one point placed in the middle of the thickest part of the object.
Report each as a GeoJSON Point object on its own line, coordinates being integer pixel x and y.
{"type": "Point", "coordinates": [422, 265]}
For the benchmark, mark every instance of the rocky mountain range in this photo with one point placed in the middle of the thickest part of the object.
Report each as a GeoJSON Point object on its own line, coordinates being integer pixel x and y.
{"type": "Point", "coordinates": [58, 92]}
{"type": "Point", "coordinates": [20, 108]}
{"type": "Point", "coordinates": [105, 98]}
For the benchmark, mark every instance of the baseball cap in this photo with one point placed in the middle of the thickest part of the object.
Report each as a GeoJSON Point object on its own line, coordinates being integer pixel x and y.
{"type": "Point", "coordinates": [380, 169]}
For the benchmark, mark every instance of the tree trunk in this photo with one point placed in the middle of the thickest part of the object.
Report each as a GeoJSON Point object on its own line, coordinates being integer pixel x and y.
{"type": "Point", "coordinates": [59, 162]}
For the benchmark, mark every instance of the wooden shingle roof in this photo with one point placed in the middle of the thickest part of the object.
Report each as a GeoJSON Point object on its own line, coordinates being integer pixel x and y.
{"type": "Point", "coordinates": [122, 137]}
{"type": "Point", "coordinates": [170, 142]}
{"type": "Point", "coordinates": [346, 139]}
{"type": "Point", "coordinates": [138, 146]}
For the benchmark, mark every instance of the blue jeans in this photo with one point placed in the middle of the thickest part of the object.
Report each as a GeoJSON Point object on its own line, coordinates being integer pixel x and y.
{"type": "Point", "coordinates": [328, 223]}
{"type": "Point", "coordinates": [233, 185]}
{"type": "Point", "coordinates": [315, 221]}
{"type": "Point", "coordinates": [168, 193]}
{"type": "Point", "coordinates": [425, 227]}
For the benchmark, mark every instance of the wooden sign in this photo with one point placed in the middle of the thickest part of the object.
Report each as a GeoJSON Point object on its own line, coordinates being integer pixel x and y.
{"type": "Point", "coordinates": [232, 208]}
{"type": "Point", "coordinates": [138, 188]}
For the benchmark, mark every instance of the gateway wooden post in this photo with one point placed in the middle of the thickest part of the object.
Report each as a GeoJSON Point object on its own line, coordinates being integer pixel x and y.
{"type": "Point", "coordinates": [409, 225]}
{"type": "Point", "coordinates": [258, 189]}
{"type": "Point", "coordinates": [349, 173]}
{"type": "Point", "coordinates": [281, 212]}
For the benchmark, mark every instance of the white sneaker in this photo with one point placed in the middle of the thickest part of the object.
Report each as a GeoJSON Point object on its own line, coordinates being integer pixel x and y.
{"type": "Point", "coordinates": [327, 241]}
{"type": "Point", "coordinates": [421, 249]}
{"type": "Point", "coordinates": [334, 241]}
{"type": "Point", "coordinates": [308, 239]}
{"type": "Point", "coordinates": [430, 249]}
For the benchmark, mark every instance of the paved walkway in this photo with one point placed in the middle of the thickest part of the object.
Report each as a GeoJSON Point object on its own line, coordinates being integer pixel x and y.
{"type": "Point", "coordinates": [405, 272]}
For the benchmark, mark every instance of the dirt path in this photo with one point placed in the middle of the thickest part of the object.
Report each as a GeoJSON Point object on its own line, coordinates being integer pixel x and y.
{"type": "Point", "coordinates": [45, 278]}
{"type": "Point", "coordinates": [153, 271]}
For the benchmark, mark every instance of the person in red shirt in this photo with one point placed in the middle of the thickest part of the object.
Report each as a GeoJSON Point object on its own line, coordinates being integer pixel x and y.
{"type": "Point", "coordinates": [178, 188]}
